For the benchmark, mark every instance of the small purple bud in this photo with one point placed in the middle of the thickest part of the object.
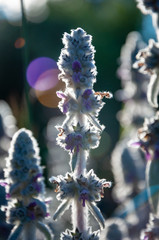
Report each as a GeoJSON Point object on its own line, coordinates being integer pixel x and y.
{"type": "Point", "coordinates": [32, 205]}
{"type": "Point", "coordinates": [84, 197]}
{"type": "Point", "coordinates": [148, 155]}
{"type": "Point", "coordinates": [61, 95]}
{"type": "Point", "coordinates": [37, 176]}
{"type": "Point", "coordinates": [8, 195]}
{"type": "Point", "coordinates": [37, 187]}
{"type": "Point", "coordinates": [76, 66]}
{"type": "Point", "coordinates": [76, 77]}
{"type": "Point", "coordinates": [87, 93]}
{"type": "Point", "coordinates": [134, 144]}
{"type": "Point", "coordinates": [146, 238]}
{"type": "Point", "coordinates": [3, 184]}
{"type": "Point", "coordinates": [31, 215]}
{"type": "Point", "coordinates": [149, 236]}
{"type": "Point", "coordinates": [47, 215]}
{"type": "Point", "coordinates": [65, 107]}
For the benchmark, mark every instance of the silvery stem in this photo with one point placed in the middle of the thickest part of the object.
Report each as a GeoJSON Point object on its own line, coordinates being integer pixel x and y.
{"type": "Point", "coordinates": [81, 163]}
{"type": "Point", "coordinates": [152, 179]}
{"type": "Point", "coordinates": [80, 213]}
{"type": "Point", "coordinates": [79, 216]}
{"type": "Point", "coordinates": [155, 20]}
{"type": "Point", "coordinates": [82, 155]}
{"type": "Point", "coordinates": [29, 231]}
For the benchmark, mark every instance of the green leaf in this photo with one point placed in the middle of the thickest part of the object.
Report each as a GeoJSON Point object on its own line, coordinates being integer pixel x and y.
{"type": "Point", "coordinates": [96, 213]}
{"type": "Point", "coordinates": [45, 230]}
{"type": "Point", "coordinates": [16, 232]}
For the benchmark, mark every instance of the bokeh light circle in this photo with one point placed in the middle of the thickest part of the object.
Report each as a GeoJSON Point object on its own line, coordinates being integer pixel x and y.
{"type": "Point", "coordinates": [19, 43]}
{"type": "Point", "coordinates": [49, 98]}
{"type": "Point", "coordinates": [42, 73]}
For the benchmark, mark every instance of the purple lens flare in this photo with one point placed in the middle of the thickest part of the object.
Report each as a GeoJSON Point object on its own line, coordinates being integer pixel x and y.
{"type": "Point", "coordinates": [41, 73]}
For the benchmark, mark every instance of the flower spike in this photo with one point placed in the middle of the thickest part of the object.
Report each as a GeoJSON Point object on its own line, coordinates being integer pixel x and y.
{"type": "Point", "coordinates": [79, 133]}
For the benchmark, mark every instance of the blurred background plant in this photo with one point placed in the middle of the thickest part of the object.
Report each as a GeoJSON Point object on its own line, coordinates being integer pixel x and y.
{"type": "Point", "coordinates": [30, 45]}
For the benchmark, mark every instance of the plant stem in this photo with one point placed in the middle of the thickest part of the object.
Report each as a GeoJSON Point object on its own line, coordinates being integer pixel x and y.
{"type": "Point", "coordinates": [155, 20]}
{"type": "Point", "coordinates": [29, 231]}
{"type": "Point", "coordinates": [80, 213]}
{"type": "Point", "coordinates": [79, 216]}
{"type": "Point", "coordinates": [25, 64]}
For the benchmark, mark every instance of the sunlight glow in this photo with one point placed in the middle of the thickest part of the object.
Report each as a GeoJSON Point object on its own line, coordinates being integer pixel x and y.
{"type": "Point", "coordinates": [36, 10]}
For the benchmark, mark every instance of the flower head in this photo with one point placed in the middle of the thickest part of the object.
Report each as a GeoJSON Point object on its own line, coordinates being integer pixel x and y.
{"type": "Point", "coordinates": [148, 63]}
{"type": "Point", "coordinates": [90, 103]}
{"type": "Point", "coordinates": [23, 170]}
{"type": "Point", "coordinates": [148, 6]}
{"type": "Point", "coordinates": [148, 58]}
{"type": "Point", "coordinates": [17, 212]}
{"type": "Point", "coordinates": [79, 132]}
{"type": "Point", "coordinates": [68, 103]}
{"type": "Point", "coordinates": [65, 186]}
{"type": "Point", "coordinates": [86, 189]}
{"type": "Point", "coordinates": [24, 183]}
{"type": "Point", "coordinates": [76, 61]}
{"type": "Point", "coordinates": [91, 188]}
{"type": "Point", "coordinates": [152, 230]}
{"type": "Point", "coordinates": [78, 137]}
{"type": "Point", "coordinates": [132, 81]}
{"type": "Point", "coordinates": [149, 138]}
{"type": "Point", "coordinates": [77, 235]}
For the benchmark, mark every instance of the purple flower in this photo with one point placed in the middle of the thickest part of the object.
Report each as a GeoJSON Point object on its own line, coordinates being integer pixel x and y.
{"type": "Point", "coordinates": [3, 184]}
{"type": "Point", "coordinates": [87, 93]}
{"type": "Point", "coordinates": [32, 205]}
{"type": "Point", "coordinates": [149, 236]}
{"type": "Point", "coordinates": [8, 195]}
{"type": "Point", "coordinates": [88, 99]}
{"type": "Point", "coordinates": [61, 95]}
{"type": "Point", "coordinates": [134, 144]}
{"type": "Point", "coordinates": [73, 141]}
{"type": "Point", "coordinates": [144, 146]}
{"type": "Point", "coordinates": [84, 195]}
{"type": "Point", "coordinates": [148, 138]}
{"type": "Point", "coordinates": [76, 66]}
{"type": "Point", "coordinates": [37, 186]}
{"type": "Point", "coordinates": [37, 176]}
{"type": "Point", "coordinates": [65, 107]}
{"type": "Point", "coordinates": [65, 101]}
{"type": "Point", "coordinates": [76, 77]}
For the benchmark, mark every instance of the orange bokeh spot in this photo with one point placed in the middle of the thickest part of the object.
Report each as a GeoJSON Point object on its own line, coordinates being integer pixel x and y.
{"type": "Point", "coordinates": [19, 43]}
{"type": "Point", "coordinates": [47, 80]}
{"type": "Point", "coordinates": [49, 98]}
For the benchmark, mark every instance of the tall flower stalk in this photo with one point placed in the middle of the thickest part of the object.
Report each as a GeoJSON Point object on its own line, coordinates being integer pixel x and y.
{"type": "Point", "coordinates": [148, 57]}
{"type": "Point", "coordinates": [79, 133]}
{"type": "Point", "coordinates": [149, 142]}
{"type": "Point", "coordinates": [24, 185]}
{"type": "Point", "coordinates": [148, 135]}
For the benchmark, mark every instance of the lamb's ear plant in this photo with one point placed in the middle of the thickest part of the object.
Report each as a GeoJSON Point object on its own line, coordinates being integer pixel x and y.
{"type": "Point", "coordinates": [149, 134]}
{"type": "Point", "coordinates": [149, 142]}
{"type": "Point", "coordinates": [115, 229]}
{"type": "Point", "coordinates": [79, 133]}
{"type": "Point", "coordinates": [148, 57]}
{"type": "Point", "coordinates": [26, 208]}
